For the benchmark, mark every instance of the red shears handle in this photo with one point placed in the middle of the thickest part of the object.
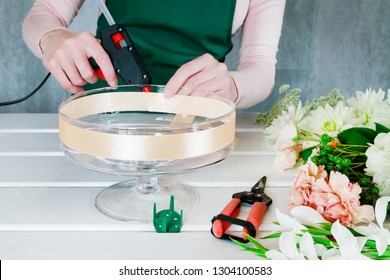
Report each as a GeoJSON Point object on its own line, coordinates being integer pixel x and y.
{"type": "Point", "coordinates": [256, 215]}
{"type": "Point", "coordinates": [232, 209]}
{"type": "Point", "coordinates": [229, 214]}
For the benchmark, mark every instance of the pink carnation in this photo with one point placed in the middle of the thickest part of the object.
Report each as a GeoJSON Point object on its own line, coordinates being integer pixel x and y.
{"type": "Point", "coordinates": [285, 159]}
{"type": "Point", "coordinates": [338, 199]}
{"type": "Point", "coordinates": [304, 178]}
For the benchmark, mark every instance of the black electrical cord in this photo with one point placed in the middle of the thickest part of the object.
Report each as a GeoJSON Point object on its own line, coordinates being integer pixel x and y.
{"type": "Point", "coordinates": [28, 95]}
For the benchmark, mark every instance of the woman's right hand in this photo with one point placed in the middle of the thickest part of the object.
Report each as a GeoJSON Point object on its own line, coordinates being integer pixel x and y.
{"type": "Point", "coordinates": [66, 54]}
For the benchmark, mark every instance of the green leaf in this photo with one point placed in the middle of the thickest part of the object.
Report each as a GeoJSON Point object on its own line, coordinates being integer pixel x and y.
{"type": "Point", "coordinates": [306, 153]}
{"type": "Point", "coordinates": [324, 241]}
{"type": "Point", "coordinates": [247, 247]}
{"type": "Point", "coordinates": [358, 136]}
{"type": "Point", "coordinates": [259, 250]}
{"type": "Point", "coordinates": [275, 235]}
{"type": "Point", "coordinates": [381, 128]}
{"type": "Point", "coordinates": [317, 231]}
{"type": "Point", "coordinates": [255, 242]}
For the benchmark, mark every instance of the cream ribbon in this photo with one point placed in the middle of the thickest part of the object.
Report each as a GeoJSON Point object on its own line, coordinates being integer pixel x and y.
{"type": "Point", "coordinates": [102, 141]}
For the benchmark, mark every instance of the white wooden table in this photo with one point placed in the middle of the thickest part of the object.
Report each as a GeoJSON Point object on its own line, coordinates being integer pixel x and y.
{"type": "Point", "coordinates": [47, 206]}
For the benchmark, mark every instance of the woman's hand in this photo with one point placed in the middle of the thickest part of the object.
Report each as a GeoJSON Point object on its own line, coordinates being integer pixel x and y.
{"type": "Point", "coordinates": [201, 77]}
{"type": "Point", "coordinates": [65, 55]}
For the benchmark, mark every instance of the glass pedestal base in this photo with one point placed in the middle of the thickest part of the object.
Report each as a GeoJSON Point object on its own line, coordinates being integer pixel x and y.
{"type": "Point", "coordinates": [133, 200]}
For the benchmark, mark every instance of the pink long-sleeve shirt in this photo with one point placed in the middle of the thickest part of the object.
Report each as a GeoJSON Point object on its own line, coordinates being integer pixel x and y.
{"type": "Point", "coordinates": [261, 22]}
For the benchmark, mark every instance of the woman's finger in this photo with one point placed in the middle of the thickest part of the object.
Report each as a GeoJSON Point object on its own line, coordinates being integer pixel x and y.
{"type": "Point", "coordinates": [185, 72]}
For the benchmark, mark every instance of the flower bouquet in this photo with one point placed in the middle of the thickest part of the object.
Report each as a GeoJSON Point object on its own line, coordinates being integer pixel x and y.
{"type": "Point", "coordinates": [341, 151]}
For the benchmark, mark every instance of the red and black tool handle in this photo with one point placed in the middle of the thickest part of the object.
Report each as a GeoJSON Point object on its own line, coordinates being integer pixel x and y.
{"type": "Point", "coordinates": [124, 56]}
{"type": "Point", "coordinates": [228, 216]}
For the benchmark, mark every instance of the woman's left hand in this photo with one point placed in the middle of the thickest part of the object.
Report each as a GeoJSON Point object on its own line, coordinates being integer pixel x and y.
{"type": "Point", "coordinates": [201, 77]}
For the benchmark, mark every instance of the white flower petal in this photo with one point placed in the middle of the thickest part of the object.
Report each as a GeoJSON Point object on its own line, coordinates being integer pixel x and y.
{"type": "Point", "coordinates": [331, 254]}
{"type": "Point", "coordinates": [307, 215]}
{"type": "Point", "coordinates": [361, 240]}
{"type": "Point", "coordinates": [341, 233]}
{"type": "Point", "coordinates": [288, 223]}
{"type": "Point", "coordinates": [320, 249]}
{"type": "Point", "coordinates": [382, 240]}
{"type": "Point", "coordinates": [371, 107]}
{"type": "Point", "coordinates": [350, 246]}
{"type": "Point", "coordinates": [350, 250]}
{"type": "Point", "coordinates": [275, 255]}
{"type": "Point", "coordinates": [287, 245]}
{"type": "Point", "coordinates": [307, 247]}
{"type": "Point", "coordinates": [373, 232]}
{"type": "Point", "coordinates": [381, 210]}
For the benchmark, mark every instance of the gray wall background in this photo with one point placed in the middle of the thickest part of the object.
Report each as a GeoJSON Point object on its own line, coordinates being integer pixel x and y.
{"type": "Point", "coordinates": [325, 44]}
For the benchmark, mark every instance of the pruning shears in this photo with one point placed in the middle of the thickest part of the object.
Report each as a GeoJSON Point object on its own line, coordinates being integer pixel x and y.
{"type": "Point", "coordinates": [228, 216]}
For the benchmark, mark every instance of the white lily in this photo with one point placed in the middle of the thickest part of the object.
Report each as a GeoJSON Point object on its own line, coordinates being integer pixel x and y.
{"type": "Point", "coordinates": [350, 247]}
{"type": "Point", "coordinates": [288, 248]}
{"type": "Point", "coordinates": [288, 239]}
{"type": "Point", "coordinates": [310, 250]}
{"type": "Point", "coordinates": [307, 215]}
{"type": "Point", "coordinates": [287, 223]}
{"type": "Point", "coordinates": [375, 232]}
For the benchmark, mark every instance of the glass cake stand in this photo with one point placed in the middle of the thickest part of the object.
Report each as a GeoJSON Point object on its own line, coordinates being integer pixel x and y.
{"type": "Point", "coordinates": [134, 131]}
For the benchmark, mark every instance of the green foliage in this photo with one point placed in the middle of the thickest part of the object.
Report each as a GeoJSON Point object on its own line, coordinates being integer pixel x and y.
{"type": "Point", "coordinates": [331, 99]}
{"type": "Point", "coordinates": [292, 97]}
{"type": "Point", "coordinates": [360, 137]}
{"type": "Point", "coordinates": [381, 128]}
{"type": "Point", "coordinates": [265, 119]}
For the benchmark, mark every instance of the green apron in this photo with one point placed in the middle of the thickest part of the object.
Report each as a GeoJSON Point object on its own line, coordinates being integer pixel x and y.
{"type": "Point", "coordinates": [169, 33]}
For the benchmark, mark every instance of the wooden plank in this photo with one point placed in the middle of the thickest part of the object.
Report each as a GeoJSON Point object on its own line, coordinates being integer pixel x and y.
{"type": "Point", "coordinates": [73, 209]}
{"type": "Point", "coordinates": [56, 170]}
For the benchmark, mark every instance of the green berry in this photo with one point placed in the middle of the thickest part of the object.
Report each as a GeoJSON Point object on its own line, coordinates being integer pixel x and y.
{"type": "Point", "coordinates": [374, 189]}
{"type": "Point", "coordinates": [329, 149]}
{"type": "Point", "coordinates": [314, 159]}
{"type": "Point", "coordinates": [325, 138]}
{"type": "Point", "coordinates": [329, 167]}
{"type": "Point", "coordinates": [338, 160]}
{"type": "Point", "coordinates": [331, 158]}
{"type": "Point", "coordinates": [346, 162]}
{"type": "Point", "coordinates": [323, 161]}
{"type": "Point", "coordinates": [323, 153]}
{"type": "Point", "coordinates": [340, 167]}
{"type": "Point", "coordinates": [364, 181]}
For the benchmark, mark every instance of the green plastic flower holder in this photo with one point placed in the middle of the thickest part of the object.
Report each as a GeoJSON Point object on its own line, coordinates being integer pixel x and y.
{"type": "Point", "coordinates": [167, 220]}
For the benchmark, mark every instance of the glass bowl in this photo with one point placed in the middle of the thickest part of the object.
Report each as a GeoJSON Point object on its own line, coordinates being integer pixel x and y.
{"type": "Point", "coordinates": [135, 131]}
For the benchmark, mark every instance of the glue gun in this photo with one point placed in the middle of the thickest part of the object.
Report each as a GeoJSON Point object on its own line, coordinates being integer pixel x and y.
{"type": "Point", "coordinates": [124, 56]}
